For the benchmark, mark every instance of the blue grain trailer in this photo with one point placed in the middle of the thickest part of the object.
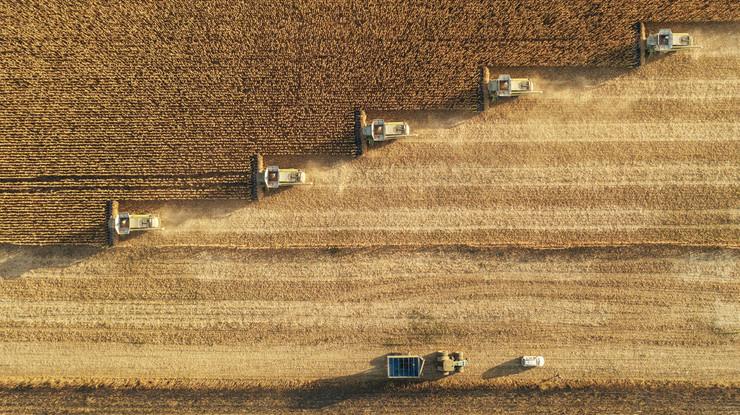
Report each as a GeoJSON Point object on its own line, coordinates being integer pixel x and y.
{"type": "Point", "coordinates": [405, 366]}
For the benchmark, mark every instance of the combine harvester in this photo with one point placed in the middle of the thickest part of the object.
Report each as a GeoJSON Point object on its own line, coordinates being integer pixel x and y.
{"type": "Point", "coordinates": [663, 42]}
{"type": "Point", "coordinates": [123, 223]}
{"type": "Point", "coordinates": [273, 177]}
{"type": "Point", "coordinates": [378, 131]}
{"type": "Point", "coordinates": [504, 87]}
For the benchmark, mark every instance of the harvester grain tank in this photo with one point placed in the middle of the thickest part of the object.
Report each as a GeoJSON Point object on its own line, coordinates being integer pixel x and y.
{"type": "Point", "coordinates": [273, 177]}
{"type": "Point", "coordinates": [377, 131]}
{"type": "Point", "coordinates": [505, 86]}
{"type": "Point", "coordinates": [125, 223]}
{"type": "Point", "coordinates": [404, 366]}
{"type": "Point", "coordinates": [667, 41]}
{"type": "Point", "coordinates": [451, 362]}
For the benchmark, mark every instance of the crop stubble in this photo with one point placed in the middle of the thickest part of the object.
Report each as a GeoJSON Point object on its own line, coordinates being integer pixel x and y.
{"type": "Point", "coordinates": [114, 314]}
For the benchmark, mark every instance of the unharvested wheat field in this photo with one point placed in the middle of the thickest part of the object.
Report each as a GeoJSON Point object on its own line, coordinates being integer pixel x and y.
{"type": "Point", "coordinates": [596, 224]}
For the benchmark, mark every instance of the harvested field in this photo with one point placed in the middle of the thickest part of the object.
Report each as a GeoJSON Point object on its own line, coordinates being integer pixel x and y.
{"type": "Point", "coordinates": [218, 318]}
{"type": "Point", "coordinates": [136, 318]}
{"type": "Point", "coordinates": [172, 91]}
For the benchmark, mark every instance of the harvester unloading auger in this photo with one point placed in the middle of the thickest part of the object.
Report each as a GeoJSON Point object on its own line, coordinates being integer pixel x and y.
{"type": "Point", "coordinates": [663, 42]}
{"type": "Point", "coordinates": [274, 177]}
{"type": "Point", "coordinates": [504, 87]}
{"type": "Point", "coordinates": [123, 223]}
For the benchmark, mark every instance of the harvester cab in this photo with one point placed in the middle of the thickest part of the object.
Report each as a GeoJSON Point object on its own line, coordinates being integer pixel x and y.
{"type": "Point", "coordinates": [666, 41]}
{"type": "Point", "coordinates": [380, 130]}
{"type": "Point", "coordinates": [451, 362]}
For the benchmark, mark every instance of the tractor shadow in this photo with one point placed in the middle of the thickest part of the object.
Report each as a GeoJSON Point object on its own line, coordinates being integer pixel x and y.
{"type": "Point", "coordinates": [328, 392]}
{"type": "Point", "coordinates": [508, 368]}
{"type": "Point", "coordinates": [366, 384]}
{"type": "Point", "coordinates": [15, 261]}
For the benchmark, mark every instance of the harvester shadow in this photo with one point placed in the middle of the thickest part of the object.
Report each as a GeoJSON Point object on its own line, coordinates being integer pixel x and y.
{"type": "Point", "coordinates": [656, 58]}
{"type": "Point", "coordinates": [508, 368]}
{"type": "Point", "coordinates": [327, 392]}
{"type": "Point", "coordinates": [19, 260]}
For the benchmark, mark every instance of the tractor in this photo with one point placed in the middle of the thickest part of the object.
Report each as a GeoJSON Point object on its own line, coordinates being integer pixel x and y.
{"type": "Point", "coordinates": [451, 362]}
